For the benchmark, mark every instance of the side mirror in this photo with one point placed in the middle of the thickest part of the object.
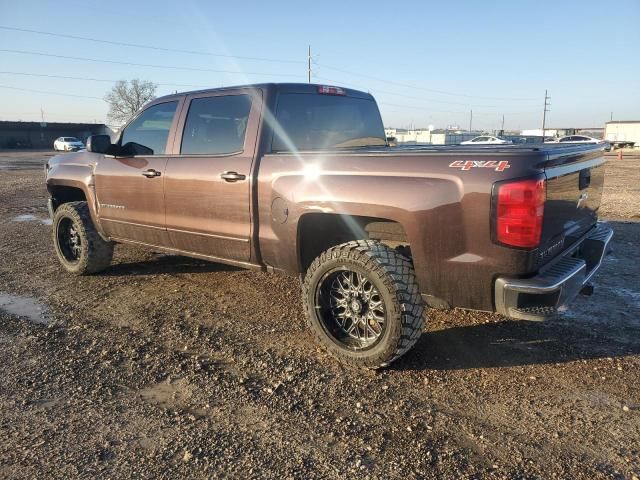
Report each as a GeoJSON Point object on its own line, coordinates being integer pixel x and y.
{"type": "Point", "coordinates": [392, 141]}
{"type": "Point", "coordinates": [99, 144]}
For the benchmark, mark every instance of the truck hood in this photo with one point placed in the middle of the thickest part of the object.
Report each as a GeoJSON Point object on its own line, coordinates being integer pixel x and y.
{"type": "Point", "coordinates": [73, 158]}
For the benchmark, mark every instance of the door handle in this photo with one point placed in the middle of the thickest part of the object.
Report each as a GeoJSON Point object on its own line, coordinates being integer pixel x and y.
{"type": "Point", "coordinates": [151, 173]}
{"type": "Point", "coordinates": [232, 176]}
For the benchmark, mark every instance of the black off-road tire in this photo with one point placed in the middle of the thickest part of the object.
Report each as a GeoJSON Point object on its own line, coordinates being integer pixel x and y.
{"type": "Point", "coordinates": [394, 277]}
{"type": "Point", "coordinates": [95, 253]}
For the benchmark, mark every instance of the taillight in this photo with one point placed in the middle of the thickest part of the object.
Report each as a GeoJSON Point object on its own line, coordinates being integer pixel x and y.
{"type": "Point", "coordinates": [519, 212]}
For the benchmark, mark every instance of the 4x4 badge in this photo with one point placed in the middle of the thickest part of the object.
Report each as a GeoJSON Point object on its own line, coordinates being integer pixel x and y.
{"type": "Point", "coordinates": [500, 166]}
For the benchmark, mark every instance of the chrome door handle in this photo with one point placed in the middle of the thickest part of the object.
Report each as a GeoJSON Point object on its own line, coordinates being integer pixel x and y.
{"type": "Point", "coordinates": [151, 173]}
{"type": "Point", "coordinates": [232, 176]}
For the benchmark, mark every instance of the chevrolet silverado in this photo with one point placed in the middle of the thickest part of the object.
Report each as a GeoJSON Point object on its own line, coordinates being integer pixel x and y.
{"type": "Point", "coordinates": [299, 178]}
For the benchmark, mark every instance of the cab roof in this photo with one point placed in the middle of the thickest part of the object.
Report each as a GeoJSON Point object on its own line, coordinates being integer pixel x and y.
{"type": "Point", "coordinates": [275, 87]}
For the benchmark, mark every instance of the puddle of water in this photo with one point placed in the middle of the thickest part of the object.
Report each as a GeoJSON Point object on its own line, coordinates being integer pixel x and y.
{"type": "Point", "coordinates": [25, 307]}
{"type": "Point", "coordinates": [32, 218]}
{"type": "Point", "coordinates": [24, 218]}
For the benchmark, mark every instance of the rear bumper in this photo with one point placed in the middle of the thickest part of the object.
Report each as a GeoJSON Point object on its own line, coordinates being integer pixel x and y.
{"type": "Point", "coordinates": [542, 296]}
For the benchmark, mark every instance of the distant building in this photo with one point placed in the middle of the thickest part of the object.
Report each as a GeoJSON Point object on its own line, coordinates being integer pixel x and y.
{"type": "Point", "coordinates": [623, 131]}
{"type": "Point", "coordinates": [43, 134]}
{"type": "Point", "coordinates": [596, 132]}
{"type": "Point", "coordinates": [425, 136]}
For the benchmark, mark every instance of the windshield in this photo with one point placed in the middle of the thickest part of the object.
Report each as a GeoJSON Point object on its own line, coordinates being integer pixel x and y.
{"type": "Point", "coordinates": [70, 139]}
{"type": "Point", "coordinates": [318, 122]}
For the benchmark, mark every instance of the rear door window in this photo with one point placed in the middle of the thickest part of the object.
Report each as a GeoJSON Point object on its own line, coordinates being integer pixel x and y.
{"type": "Point", "coordinates": [216, 125]}
{"type": "Point", "coordinates": [318, 122]}
{"type": "Point", "coordinates": [148, 133]}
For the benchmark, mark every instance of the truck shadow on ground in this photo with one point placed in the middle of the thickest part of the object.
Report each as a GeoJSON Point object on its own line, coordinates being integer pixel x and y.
{"type": "Point", "coordinates": [511, 343]}
{"type": "Point", "coordinates": [166, 264]}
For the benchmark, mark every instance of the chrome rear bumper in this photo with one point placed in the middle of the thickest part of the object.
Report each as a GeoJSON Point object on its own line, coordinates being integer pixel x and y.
{"type": "Point", "coordinates": [541, 296]}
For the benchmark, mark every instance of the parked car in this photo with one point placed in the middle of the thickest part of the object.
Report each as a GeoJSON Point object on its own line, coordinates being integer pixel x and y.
{"type": "Point", "coordinates": [67, 144]}
{"type": "Point", "coordinates": [299, 179]}
{"type": "Point", "coordinates": [486, 140]}
{"type": "Point", "coordinates": [585, 139]}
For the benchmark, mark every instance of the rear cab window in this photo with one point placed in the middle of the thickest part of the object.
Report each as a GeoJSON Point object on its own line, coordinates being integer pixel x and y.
{"type": "Point", "coordinates": [307, 121]}
{"type": "Point", "coordinates": [216, 125]}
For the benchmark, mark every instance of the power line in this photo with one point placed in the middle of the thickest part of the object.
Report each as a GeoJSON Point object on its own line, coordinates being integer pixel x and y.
{"type": "Point", "coordinates": [195, 52]}
{"type": "Point", "coordinates": [415, 107]}
{"type": "Point", "coordinates": [149, 47]}
{"type": "Point", "coordinates": [49, 93]}
{"type": "Point", "coordinates": [376, 91]}
{"type": "Point", "coordinates": [95, 79]}
{"type": "Point", "coordinates": [442, 92]}
{"type": "Point", "coordinates": [412, 97]}
{"type": "Point", "coordinates": [170, 67]}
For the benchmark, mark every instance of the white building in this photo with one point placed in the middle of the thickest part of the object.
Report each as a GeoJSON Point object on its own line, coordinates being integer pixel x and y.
{"type": "Point", "coordinates": [429, 136]}
{"type": "Point", "coordinates": [537, 132]}
{"type": "Point", "coordinates": [623, 131]}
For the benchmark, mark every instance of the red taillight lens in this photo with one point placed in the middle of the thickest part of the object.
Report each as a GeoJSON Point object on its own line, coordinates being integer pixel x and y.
{"type": "Point", "coordinates": [519, 213]}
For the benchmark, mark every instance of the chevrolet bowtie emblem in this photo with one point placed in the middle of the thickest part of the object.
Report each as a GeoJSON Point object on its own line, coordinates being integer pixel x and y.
{"type": "Point", "coordinates": [583, 197]}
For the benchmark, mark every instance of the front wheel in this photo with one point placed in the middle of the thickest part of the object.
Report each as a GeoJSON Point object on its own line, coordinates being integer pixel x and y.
{"type": "Point", "coordinates": [80, 249]}
{"type": "Point", "coordinates": [363, 303]}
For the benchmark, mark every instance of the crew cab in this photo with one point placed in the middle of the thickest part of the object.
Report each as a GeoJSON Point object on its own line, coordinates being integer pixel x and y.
{"type": "Point", "coordinates": [299, 179]}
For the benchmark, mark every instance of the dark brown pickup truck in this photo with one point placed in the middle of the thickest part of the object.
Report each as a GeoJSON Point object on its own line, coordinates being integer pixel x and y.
{"type": "Point", "coordinates": [299, 178]}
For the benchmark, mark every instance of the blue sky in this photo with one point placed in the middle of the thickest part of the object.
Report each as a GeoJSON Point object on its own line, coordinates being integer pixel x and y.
{"type": "Point", "coordinates": [425, 62]}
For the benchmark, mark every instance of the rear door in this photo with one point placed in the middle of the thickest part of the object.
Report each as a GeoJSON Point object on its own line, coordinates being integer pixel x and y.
{"type": "Point", "coordinates": [208, 180]}
{"type": "Point", "coordinates": [130, 187]}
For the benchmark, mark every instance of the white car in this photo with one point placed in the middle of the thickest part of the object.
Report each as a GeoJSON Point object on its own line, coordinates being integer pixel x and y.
{"type": "Point", "coordinates": [580, 139]}
{"type": "Point", "coordinates": [486, 140]}
{"type": "Point", "coordinates": [67, 144]}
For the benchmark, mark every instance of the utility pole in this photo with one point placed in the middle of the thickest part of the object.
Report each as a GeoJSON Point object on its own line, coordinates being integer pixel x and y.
{"type": "Point", "coordinates": [309, 64]}
{"type": "Point", "coordinates": [544, 113]}
{"type": "Point", "coordinates": [470, 119]}
{"type": "Point", "coordinates": [502, 124]}
{"type": "Point", "coordinates": [42, 114]}
{"type": "Point", "coordinates": [611, 119]}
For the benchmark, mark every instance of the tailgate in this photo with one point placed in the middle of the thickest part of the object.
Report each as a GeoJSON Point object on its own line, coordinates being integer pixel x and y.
{"type": "Point", "coordinates": [575, 178]}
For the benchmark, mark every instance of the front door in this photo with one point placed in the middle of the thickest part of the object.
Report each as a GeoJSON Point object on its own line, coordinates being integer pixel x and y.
{"type": "Point", "coordinates": [208, 181]}
{"type": "Point", "coordinates": [130, 186]}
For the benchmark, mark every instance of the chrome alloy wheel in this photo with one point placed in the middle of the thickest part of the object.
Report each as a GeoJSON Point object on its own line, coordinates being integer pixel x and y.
{"type": "Point", "coordinates": [351, 308]}
{"type": "Point", "coordinates": [69, 240]}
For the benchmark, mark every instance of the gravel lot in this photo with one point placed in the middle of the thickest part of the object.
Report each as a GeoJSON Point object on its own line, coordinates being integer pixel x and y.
{"type": "Point", "coordinates": [166, 367]}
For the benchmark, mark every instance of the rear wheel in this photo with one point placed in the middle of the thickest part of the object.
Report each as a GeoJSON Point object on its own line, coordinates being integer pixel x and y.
{"type": "Point", "coordinates": [79, 247]}
{"type": "Point", "coordinates": [363, 303]}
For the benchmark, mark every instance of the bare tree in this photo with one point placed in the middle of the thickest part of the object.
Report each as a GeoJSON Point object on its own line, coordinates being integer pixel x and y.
{"type": "Point", "coordinates": [127, 97]}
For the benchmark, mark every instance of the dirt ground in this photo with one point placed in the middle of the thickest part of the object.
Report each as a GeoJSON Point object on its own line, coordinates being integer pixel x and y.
{"type": "Point", "coordinates": [166, 367]}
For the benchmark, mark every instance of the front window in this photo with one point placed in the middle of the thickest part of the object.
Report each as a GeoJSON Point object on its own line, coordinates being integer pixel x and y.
{"type": "Point", "coordinates": [318, 122]}
{"type": "Point", "coordinates": [148, 133]}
